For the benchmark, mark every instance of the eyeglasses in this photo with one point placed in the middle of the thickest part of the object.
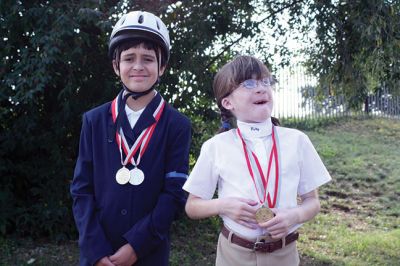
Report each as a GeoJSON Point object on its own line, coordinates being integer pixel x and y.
{"type": "Point", "coordinates": [252, 83]}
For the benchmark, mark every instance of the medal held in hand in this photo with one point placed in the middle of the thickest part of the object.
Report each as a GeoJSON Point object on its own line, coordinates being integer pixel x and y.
{"type": "Point", "coordinates": [264, 213]}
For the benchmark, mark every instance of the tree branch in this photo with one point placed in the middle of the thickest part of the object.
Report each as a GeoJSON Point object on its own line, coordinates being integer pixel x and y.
{"type": "Point", "coordinates": [241, 37]}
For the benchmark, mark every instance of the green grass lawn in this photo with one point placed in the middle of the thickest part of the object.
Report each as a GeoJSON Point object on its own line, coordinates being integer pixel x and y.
{"type": "Point", "coordinates": [358, 224]}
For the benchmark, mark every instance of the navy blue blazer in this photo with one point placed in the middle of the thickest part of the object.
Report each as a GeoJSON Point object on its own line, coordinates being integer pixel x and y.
{"type": "Point", "coordinates": [109, 215]}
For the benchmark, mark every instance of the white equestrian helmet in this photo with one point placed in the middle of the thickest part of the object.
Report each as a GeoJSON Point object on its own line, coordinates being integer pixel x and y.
{"type": "Point", "coordinates": [140, 25]}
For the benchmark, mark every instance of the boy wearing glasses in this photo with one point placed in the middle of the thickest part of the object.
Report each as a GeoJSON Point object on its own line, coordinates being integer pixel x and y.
{"type": "Point", "coordinates": [259, 167]}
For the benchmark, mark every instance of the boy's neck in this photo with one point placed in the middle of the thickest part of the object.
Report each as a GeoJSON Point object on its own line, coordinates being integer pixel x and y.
{"type": "Point", "coordinates": [140, 103]}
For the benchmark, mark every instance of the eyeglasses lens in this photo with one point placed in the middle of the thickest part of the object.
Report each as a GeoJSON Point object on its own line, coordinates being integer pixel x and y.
{"type": "Point", "coordinates": [252, 83]}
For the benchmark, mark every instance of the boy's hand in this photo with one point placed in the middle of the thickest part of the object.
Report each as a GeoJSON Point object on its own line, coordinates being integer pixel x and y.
{"type": "Point", "coordinates": [104, 262]}
{"type": "Point", "coordinates": [240, 210]}
{"type": "Point", "coordinates": [279, 226]}
{"type": "Point", "coordinates": [125, 256]}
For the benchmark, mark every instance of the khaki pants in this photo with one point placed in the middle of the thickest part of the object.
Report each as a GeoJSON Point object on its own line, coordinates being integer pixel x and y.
{"type": "Point", "coordinates": [229, 254]}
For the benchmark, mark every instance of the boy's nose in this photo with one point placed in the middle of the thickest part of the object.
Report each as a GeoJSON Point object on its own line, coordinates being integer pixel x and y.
{"type": "Point", "coordinates": [260, 88]}
{"type": "Point", "coordinates": [137, 66]}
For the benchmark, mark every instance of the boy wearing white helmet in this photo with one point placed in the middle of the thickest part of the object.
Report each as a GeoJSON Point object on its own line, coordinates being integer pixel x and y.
{"type": "Point", "coordinates": [133, 155]}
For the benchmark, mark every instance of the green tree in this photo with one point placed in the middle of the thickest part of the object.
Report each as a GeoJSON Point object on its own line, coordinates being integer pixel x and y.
{"type": "Point", "coordinates": [55, 66]}
{"type": "Point", "coordinates": [356, 50]}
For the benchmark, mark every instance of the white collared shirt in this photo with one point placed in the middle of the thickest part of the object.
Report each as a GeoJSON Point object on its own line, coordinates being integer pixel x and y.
{"type": "Point", "coordinates": [133, 116]}
{"type": "Point", "coordinates": [222, 164]}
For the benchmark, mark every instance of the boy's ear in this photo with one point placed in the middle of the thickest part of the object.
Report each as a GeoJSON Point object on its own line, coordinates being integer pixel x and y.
{"type": "Point", "coordinates": [162, 69]}
{"type": "Point", "coordinates": [116, 70]}
{"type": "Point", "coordinates": [226, 103]}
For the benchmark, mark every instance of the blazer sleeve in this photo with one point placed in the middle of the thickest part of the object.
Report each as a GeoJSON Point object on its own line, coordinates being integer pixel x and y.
{"type": "Point", "coordinates": [92, 240]}
{"type": "Point", "coordinates": [146, 234]}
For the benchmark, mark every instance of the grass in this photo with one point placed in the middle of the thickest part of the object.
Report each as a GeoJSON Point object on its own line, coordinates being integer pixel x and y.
{"type": "Point", "coordinates": [347, 244]}
{"type": "Point", "coordinates": [40, 253]}
{"type": "Point", "coordinates": [358, 224]}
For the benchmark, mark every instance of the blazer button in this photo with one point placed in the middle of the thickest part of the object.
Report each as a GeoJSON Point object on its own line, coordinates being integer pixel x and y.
{"type": "Point", "coordinates": [123, 212]}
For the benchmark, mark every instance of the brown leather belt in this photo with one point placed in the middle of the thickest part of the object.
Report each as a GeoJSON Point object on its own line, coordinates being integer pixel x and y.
{"type": "Point", "coordinates": [259, 246]}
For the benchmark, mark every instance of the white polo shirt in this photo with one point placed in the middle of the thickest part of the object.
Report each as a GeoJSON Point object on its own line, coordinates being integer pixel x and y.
{"type": "Point", "coordinates": [222, 164]}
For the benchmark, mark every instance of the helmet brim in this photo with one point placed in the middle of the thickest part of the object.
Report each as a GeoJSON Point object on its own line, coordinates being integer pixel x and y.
{"type": "Point", "coordinates": [129, 35]}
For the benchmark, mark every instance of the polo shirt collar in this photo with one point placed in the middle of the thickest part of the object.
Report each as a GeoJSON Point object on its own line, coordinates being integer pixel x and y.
{"type": "Point", "coordinates": [255, 130]}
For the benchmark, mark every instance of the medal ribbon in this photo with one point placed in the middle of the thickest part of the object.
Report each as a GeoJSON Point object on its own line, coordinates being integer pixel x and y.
{"type": "Point", "coordinates": [264, 179]}
{"type": "Point", "coordinates": [141, 142]}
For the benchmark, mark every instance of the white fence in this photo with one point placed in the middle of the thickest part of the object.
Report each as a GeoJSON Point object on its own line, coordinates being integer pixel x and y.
{"type": "Point", "coordinates": [295, 97]}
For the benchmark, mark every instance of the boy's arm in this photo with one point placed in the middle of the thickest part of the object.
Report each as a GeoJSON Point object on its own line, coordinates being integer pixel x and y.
{"type": "Point", "coordinates": [146, 234]}
{"type": "Point", "coordinates": [198, 208]}
{"type": "Point", "coordinates": [309, 207]}
{"type": "Point", "coordinates": [92, 240]}
{"type": "Point", "coordinates": [240, 210]}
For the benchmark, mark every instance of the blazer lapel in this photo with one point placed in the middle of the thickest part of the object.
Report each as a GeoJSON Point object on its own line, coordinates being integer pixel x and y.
{"type": "Point", "coordinates": [146, 119]}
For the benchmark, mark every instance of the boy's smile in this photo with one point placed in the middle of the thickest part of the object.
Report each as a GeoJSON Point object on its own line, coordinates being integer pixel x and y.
{"type": "Point", "coordinates": [138, 68]}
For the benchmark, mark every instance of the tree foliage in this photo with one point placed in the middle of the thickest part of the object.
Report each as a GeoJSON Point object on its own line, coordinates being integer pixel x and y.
{"type": "Point", "coordinates": [55, 67]}
{"type": "Point", "coordinates": [356, 49]}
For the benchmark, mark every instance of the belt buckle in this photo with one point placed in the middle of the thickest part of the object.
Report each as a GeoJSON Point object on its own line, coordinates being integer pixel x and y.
{"type": "Point", "coordinates": [259, 246]}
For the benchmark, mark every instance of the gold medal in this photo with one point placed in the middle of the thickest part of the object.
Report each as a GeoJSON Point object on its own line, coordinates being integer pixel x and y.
{"type": "Point", "coordinates": [264, 214]}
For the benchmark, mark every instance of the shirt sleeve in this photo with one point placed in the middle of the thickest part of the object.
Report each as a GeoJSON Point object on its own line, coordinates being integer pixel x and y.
{"type": "Point", "coordinates": [203, 179]}
{"type": "Point", "coordinates": [146, 234]}
{"type": "Point", "coordinates": [92, 240]}
{"type": "Point", "coordinates": [313, 172]}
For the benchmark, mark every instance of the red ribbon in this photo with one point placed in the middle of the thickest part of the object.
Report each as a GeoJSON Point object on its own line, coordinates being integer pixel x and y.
{"type": "Point", "coordinates": [145, 135]}
{"type": "Point", "coordinates": [264, 179]}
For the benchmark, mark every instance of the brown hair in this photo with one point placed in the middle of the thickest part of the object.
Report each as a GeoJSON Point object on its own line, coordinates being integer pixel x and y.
{"type": "Point", "coordinates": [136, 43]}
{"type": "Point", "coordinates": [228, 79]}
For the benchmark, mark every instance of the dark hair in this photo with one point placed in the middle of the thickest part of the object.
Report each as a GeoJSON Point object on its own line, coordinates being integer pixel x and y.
{"type": "Point", "coordinates": [149, 45]}
{"type": "Point", "coordinates": [228, 79]}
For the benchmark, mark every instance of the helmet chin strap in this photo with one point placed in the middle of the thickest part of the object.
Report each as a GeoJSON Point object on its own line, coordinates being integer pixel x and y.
{"type": "Point", "coordinates": [136, 95]}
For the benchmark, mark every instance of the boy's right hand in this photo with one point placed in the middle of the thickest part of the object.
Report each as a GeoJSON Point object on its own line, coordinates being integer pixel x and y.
{"type": "Point", "coordinates": [104, 262]}
{"type": "Point", "coordinates": [240, 210]}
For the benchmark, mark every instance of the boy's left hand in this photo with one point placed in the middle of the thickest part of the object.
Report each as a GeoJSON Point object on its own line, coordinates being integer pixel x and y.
{"type": "Point", "coordinates": [279, 226]}
{"type": "Point", "coordinates": [125, 256]}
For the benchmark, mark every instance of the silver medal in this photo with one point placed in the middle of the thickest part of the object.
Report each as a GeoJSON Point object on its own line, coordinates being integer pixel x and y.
{"type": "Point", "coordinates": [136, 176]}
{"type": "Point", "coordinates": [122, 176]}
